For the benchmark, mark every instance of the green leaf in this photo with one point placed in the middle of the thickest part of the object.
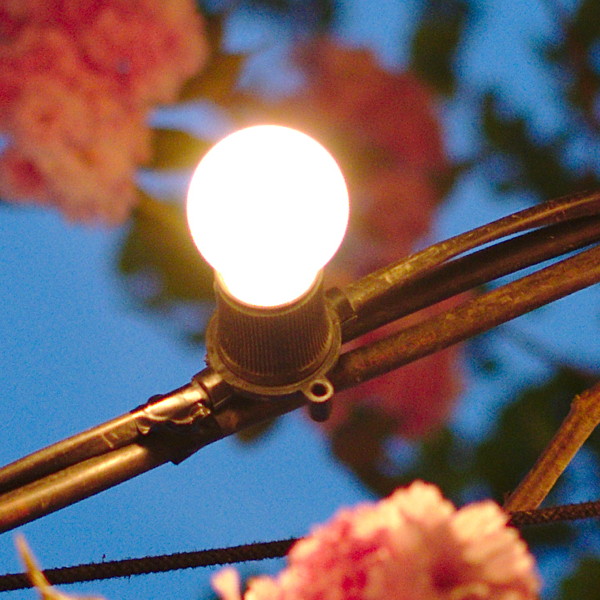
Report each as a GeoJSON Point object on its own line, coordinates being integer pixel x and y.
{"type": "Point", "coordinates": [214, 27]}
{"type": "Point", "coordinates": [435, 43]}
{"type": "Point", "coordinates": [584, 583]}
{"type": "Point", "coordinates": [312, 15]}
{"type": "Point", "coordinates": [575, 53]}
{"type": "Point", "coordinates": [174, 149]}
{"type": "Point", "coordinates": [585, 27]}
{"type": "Point", "coordinates": [217, 81]}
{"type": "Point", "coordinates": [529, 163]}
{"type": "Point", "coordinates": [159, 249]}
{"type": "Point", "coordinates": [444, 460]}
{"type": "Point", "coordinates": [361, 444]}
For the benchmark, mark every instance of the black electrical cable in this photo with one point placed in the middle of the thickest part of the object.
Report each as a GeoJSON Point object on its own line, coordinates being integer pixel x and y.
{"type": "Point", "coordinates": [75, 483]}
{"type": "Point", "coordinates": [107, 437]}
{"type": "Point", "coordinates": [247, 552]}
{"type": "Point", "coordinates": [432, 275]}
{"type": "Point", "coordinates": [89, 477]}
{"type": "Point", "coordinates": [362, 293]}
{"type": "Point", "coordinates": [369, 288]}
{"type": "Point", "coordinates": [473, 270]}
{"type": "Point", "coordinates": [467, 319]}
{"type": "Point", "coordinates": [152, 564]}
{"type": "Point", "coordinates": [353, 367]}
{"type": "Point", "coordinates": [438, 284]}
{"type": "Point", "coordinates": [555, 514]}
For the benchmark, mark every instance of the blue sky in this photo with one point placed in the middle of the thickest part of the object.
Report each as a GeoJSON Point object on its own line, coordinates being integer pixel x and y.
{"type": "Point", "coordinates": [75, 353]}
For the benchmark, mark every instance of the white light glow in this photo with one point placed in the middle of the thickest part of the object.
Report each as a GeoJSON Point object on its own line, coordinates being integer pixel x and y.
{"type": "Point", "coordinates": [267, 208]}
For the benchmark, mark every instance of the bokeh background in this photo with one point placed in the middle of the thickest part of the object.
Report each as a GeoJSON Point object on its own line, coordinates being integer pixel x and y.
{"type": "Point", "coordinates": [446, 114]}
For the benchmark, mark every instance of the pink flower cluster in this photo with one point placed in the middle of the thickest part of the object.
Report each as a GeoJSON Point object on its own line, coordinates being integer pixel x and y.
{"type": "Point", "coordinates": [390, 142]}
{"type": "Point", "coordinates": [417, 398]}
{"type": "Point", "coordinates": [77, 80]}
{"type": "Point", "coordinates": [413, 545]}
{"type": "Point", "coordinates": [390, 122]}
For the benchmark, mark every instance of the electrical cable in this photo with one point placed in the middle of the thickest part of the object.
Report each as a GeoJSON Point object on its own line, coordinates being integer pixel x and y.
{"type": "Point", "coordinates": [465, 273]}
{"type": "Point", "coordinates": [247, 552]}
{"type": "Point", "coordinates": [152, 564]}
{"type": "Point", "coordinates": [174, 407]}
{"type": "Point", "coordinates": [362, 293]}
{"type": "Point", "coordinates": [436, 285]}
{"type": "Point", "coordinates": [467, 319]}
{"type": "Point", "coordinates": [176, 425]}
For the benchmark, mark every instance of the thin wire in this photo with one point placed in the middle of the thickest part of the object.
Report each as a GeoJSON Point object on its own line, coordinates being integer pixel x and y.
{"type": "Point", "coordinates": [555, 514]}
{"type": "Point", "coordinates": [152, 564]}
{"type": "Point", "coordinates": [247, 552]}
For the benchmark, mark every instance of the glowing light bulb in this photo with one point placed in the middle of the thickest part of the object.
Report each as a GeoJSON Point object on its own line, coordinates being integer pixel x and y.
{"type": "Point", "coordinates": [267, 208]}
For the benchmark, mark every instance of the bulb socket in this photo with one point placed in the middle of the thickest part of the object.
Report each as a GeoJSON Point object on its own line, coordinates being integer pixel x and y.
{"type": "Point", "coordinates": [273, 351]}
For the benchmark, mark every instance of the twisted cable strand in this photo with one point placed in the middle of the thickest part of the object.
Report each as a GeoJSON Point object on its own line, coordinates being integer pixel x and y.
{"type": "Point", "coordinates": [553, 514]}
{"type": "Point", "coordinates": [152, 564]}
{"type": "Point", "coordinates": [247, 552]}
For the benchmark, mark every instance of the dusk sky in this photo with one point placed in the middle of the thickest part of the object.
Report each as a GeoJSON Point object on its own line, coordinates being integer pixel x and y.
{"type": "Point", "coordinates": [75, 352]}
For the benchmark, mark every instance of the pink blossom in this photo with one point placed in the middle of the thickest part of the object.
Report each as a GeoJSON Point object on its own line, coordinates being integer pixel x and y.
{"type": "Point", "coordinates": [417, 398]}
{"type": "Point", "coordinates": [394, 111]}
{"type": "Point", "coordinates": [82, 147]}
{"type": "Point", "coordinates": [148, 47]}
{"type": "Point", "coordinates": [77, 81]}
{"type": "Point", "coordinates": [20, 178]}
{"type": "Point", "coordinates": [390, 138]}
{"type": "Point", "coordinates": [390, 144]}
{"type": "Point", "coordinates": [413, 545]}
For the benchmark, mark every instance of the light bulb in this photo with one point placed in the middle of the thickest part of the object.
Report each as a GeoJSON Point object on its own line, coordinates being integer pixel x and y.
{"type": "Point", "coordinates": [267, 208]}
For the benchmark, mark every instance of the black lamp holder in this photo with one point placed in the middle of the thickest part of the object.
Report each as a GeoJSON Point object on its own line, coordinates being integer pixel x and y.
{"type": "Point", "coordinates": [276, 352]}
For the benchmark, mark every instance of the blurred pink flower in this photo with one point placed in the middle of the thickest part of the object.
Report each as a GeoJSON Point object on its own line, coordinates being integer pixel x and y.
{"type": "Point", "coordinates": [417, 398]}
{"type": "Point", "coordinates": [393, 111]}
{"type": "Point", "coordinates": [77, 81]}
{"type": "Point", "coordinates": [383, 128]}
{"type": "Point", "coordinates": [413, 545]}
{"type": "Point", "coordinates": [390, 143]}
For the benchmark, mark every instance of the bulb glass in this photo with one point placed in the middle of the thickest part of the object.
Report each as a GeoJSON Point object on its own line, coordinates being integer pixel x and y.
{"type": "Point", "coordinates": [267, 208]}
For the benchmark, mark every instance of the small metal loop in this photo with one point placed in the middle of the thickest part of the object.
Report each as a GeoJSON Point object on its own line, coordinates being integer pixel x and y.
{"type": "Point", "coordinates": [318, 391]}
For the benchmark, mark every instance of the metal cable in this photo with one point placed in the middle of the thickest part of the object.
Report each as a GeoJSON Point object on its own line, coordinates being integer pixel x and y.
{"type": "Point", "coordinates": [475, 269]}
{"type": "Point", "coordinates": [247, 552]}
{"type": "Point", "coordinates": [90, 462]}
{"type": "Point", "coordinates": [152, 564]}
{"type": "Point", "coordinates": [468, 319]}
{"type": "Point", "coordinates": [367, 291]}
{"type": "Point", "coordinates": [554, 514]}
{"type": "Point", "coordinates": [353, 367]}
